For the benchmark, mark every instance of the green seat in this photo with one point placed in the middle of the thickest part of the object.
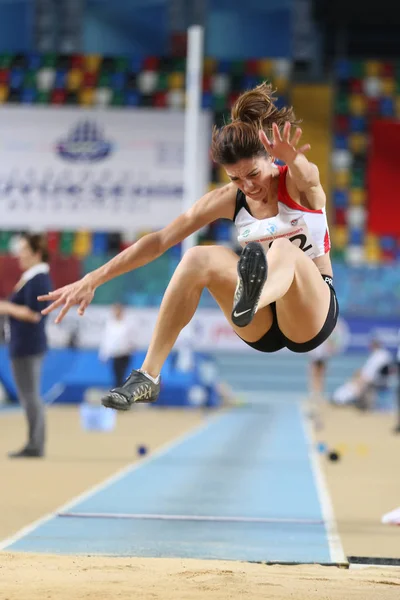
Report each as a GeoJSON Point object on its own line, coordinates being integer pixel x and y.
{"type": "Point", "coordinates": [220, 102]}
{"type": "Point", "coordinates": [118, 99]}
{"type": "Point", "coordinates": [30, 79]}
{"type": "Point", "coordinates": [342, 103]}
{"type": "Point", "coordinates": [121, 64]}
{"type": "Point", "coordinates": [237, 67]}
{"type": "Point", "coordinates": [43, 98]}
{"type": "Point", "coordinates": [67, 243]}
{"type": "Point", "coordinates": [50, 60]}
{"type": "Point", "coordinates": [357, 69]}
{"type": "Point", "coordinates": [5, 237]}
{"type": "Point", "coordinates": [103, 80]}
{"type": "Point", "coordinates": [179, 64]}
{"type": "Point", "coordinates": [357, 177]}
{"type": "Point", "coordinates": [5, 61]}
{"type": "Point", "coordinates": [338, 254]}
{"type": "Point", "coordinates": [162, 84]}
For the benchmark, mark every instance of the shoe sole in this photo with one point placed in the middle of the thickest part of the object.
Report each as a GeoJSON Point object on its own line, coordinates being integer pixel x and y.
{"type": "Point", "coordinates": [252, 272]}
{"type": "Point", "coordinates": [109, 402]}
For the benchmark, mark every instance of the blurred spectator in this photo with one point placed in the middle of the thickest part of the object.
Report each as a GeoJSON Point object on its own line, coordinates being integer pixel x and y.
{"type": "Point", "coordinates": [362, 388]}
{"type": "Point", "coordinates": [27, 337]}
{"type": "Point", "coordinates": [397, 428]}
{"type": "Point", "coordinates": [2, 329]}
{"type": "Point", "coordinates": [317, 371]}
{"type": "Point", "coordinates": [118, 343]}
{"type": "Point", "coordinates": [317, 378]}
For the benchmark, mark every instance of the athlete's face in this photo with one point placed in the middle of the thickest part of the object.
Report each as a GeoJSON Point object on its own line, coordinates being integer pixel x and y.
{"type": "Point", "coordinates": [252, 176]}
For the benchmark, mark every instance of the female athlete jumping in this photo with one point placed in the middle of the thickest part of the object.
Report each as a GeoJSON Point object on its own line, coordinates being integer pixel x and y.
{"type": "Point", "coordinates": [279, 293]}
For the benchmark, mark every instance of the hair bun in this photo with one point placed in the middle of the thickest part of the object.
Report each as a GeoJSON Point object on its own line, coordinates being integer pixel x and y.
{"type": "Point", "coordinates": [253, 105]}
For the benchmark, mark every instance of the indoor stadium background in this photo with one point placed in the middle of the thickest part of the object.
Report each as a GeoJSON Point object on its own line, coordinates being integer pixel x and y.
{"type": "Point", "coordinates": [111, 76]}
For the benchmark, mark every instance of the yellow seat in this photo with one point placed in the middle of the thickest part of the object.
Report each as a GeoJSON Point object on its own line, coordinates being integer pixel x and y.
{"type": "Point", "coordinates": [265, 68]}
{"type": "Point", "coordinates": [358, 142]}
{"type": "Point", "coordinates": [340, 236]}
{"type": "Point", "coordinates": [176, 81]}
{"type": "Point", "coordinates": [86, 97]}
{"type": "Point", "coordinates": [373, 254]}
{"type": "Point", "coordinates": [342, 178]}
{"type": "Point", "coordinates": [388, 86]}
{"type": "Point", "coordinates": [357, 197]}
{"type": "Point", "coordinates": [358, 105]}
{"type": "Point", "coordinates": [372, 241]}
{"type": "Point", "coordinates": [74, 79]}
{"type": "Point", "coordinates": [92, 62]}
{"type": "Point", "coordinates": [209, 65]}
{"type": "Point", "coordinates": [82, 243]}
{"type": "Point", "coordinates": [373, 68]}
{"type": "Point", "coordinates": [281, 84]}
{"type": "Point", "coordinates": [3, 93]}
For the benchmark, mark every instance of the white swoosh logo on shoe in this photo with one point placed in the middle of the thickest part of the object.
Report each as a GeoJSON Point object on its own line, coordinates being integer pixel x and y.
{"type": "Point", "coordinates": [236, 314]}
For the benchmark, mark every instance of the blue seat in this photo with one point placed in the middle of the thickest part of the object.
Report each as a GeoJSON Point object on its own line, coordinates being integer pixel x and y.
{"type": "Point", "coordinates": [28, 96]}
{"type": "Point", "coordinates": [358, 124]}
{"type": "Point", "coordinates": [387, 107]}
{"type": "Point", "coordinates": [342, 69]}
{"type": "Point", "coordinates": [132, 98]}
{"type": "Point", "coordinates": [340, 198]}
{"type": "Point", "coordinates": [16, 78]}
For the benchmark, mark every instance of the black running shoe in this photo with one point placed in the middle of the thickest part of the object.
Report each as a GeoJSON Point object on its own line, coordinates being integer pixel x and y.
{"type": "Point", "coordinates": [252, 273]}
{"type": "Point", "coordinates": [137, 388]}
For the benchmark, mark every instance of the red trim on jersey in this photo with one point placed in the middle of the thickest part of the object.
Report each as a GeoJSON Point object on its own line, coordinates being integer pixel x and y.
{"type": "Point", "coordinates": [327, 242]}
{"type": "Point", "coordinates": [283, 195]}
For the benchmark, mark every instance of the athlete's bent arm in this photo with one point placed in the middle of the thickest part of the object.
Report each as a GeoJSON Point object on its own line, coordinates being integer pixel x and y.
{"type": "Point", "coordinates": [214, 205]}
{"type": "Point", "coordinates": [303, 183]}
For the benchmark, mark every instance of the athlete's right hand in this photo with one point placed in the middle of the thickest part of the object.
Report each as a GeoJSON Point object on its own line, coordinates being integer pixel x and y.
{"type": "Point", "coordinates": [80, 292]}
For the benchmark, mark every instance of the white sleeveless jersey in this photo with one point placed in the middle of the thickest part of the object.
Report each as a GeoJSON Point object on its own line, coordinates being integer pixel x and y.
{"type": "Point", "coordinates": [306, 228]}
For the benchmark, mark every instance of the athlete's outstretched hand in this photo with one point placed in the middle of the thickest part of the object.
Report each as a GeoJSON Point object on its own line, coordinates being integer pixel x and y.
{"type": "Point", "coordinates": [80, 292]}
{"type": "Point", "coordinates": [282, 147]}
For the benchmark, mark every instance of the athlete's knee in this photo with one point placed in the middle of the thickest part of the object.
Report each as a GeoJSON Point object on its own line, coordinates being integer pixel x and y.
{"type": "Point", "coordinates": [282, 246]}
{"type": "Point", "coordinates": [197, 262]}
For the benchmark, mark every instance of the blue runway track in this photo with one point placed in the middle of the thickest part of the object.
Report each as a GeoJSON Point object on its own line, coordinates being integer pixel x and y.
{"type": "Point", "coordinates": [244, 486]}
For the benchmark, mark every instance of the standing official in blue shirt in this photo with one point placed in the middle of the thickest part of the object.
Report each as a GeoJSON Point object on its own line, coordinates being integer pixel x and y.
{"type": "Point", "coordinates": [27, 337]}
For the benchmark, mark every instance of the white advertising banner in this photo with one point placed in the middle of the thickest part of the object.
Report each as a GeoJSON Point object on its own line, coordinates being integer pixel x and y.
{"type": "Point", "coordinates": [97, 169]}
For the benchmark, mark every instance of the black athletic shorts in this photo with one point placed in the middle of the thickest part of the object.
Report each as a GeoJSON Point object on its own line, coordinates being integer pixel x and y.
{"type": "Point", "coordinates": [275, 340]}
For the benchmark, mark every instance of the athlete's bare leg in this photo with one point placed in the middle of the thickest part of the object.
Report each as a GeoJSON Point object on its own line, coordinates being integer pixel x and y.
{"type": "Point", "coordinates": [211, 267]}
{"type": "Point", "coordinates": [215, 268]}
{"type": "Point", "coordinates": [302, 296]}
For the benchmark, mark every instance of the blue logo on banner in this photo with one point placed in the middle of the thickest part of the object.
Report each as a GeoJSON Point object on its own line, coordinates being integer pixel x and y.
{"type": "Point", "coordinates": [85, 143]}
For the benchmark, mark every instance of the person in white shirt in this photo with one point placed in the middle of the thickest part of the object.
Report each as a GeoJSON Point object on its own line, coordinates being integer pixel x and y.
{"type": "Point", "coordinates": [118, 343]}
{"type": "Point", "coordinates": [360, 390]}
